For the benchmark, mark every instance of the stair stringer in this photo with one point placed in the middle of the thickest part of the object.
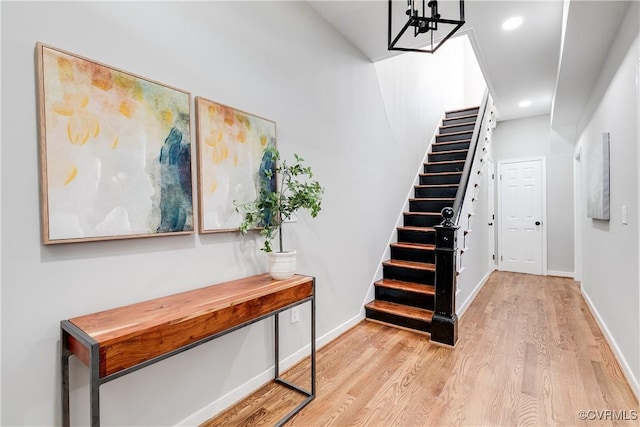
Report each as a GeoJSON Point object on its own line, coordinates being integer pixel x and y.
{"type": "Point", "coordinates": [469, 218]}
{"type": "Point", "coordinates": [393, 237]}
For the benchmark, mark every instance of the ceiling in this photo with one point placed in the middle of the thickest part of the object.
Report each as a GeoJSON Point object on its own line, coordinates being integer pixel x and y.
{"type": "Point", "coordinates": [524, 63]}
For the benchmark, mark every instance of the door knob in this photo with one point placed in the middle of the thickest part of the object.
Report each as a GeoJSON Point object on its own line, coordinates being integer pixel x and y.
{"type": "Point", "coordinates": [490, 223]}
{"type": "Point", "coordinates": [538, 223]}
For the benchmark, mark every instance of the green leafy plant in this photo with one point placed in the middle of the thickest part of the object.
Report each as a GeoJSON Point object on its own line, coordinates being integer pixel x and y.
{"type": "Point", "coordinates": [275, 205]}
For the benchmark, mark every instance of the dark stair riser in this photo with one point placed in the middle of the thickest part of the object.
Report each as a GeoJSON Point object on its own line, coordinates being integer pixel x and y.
{"type": "Point", "coordinates": [406, 298]}
{"type": "Point", "coordinates": [447, 156]}
{"type": "Point", "coordinates": [421, 192]}
{"type": "Point", "coordinates": [412, 236]}
{"type": "Point", "coordinates": [429, 205]}
{"type": "Point", "coordinates": [458, 120]}
{"type": "Point", "coordinates": [422, 220]}
{"type": "Point", "coordinates": [453, 137]}
{"type": "Point", "coordinates": [450, 146]}
{"type": "Point", "coordinates": [411, 254]}
{"type": "Point", "coordinates": [455, 166]}
{"type": "Point", "coordinates": [457, 128]}
{"type": "Point", "coordinates": [467, 112]}
{"type": "Point", "coordinates": [406, 322]}
{"type": "Point", "coordinates": [405, 274]}
{"type": "Point", "coordinates": [440, 179]}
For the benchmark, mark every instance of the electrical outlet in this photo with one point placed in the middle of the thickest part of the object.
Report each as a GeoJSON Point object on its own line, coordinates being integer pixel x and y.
{"type": "Point", "coordinates": [295, 315]}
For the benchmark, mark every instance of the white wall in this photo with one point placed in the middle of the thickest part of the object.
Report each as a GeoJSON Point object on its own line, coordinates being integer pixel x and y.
{"type": "Point", "coordinates": [560, 231]}
{"type": "Point", "coordinates": [283, 63]}
{"type": "Point", "coordinates": [610, 249]}
{"type": "Point", "coordinates": [474, 84]}
{"type": "Point", "coordinates": [416, 90]}
{"type": "Point", "coordinates": [324, 97]}
{"type": "Point", "coordinates": [532, 137]}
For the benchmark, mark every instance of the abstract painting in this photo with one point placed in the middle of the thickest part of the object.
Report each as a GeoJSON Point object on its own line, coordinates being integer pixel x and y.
{"type": "Point", "coordinates": [230, 149]}
{"type": "Point", "coordinates": [598, 178]}
{"type": "Point", "coordinates": [115, 152]}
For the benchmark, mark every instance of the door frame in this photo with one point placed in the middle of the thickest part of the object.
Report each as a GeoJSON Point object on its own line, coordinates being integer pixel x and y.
{"type": "Point", "coordinates": [638, 152]}
{"type": "Point", "coordinates": [543, 197]}
{"type": "Point", "coordinates": [578, 203]}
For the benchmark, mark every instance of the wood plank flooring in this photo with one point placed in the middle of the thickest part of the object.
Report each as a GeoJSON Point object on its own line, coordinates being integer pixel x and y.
{"type": "Point", "coordinates": [529, 353]}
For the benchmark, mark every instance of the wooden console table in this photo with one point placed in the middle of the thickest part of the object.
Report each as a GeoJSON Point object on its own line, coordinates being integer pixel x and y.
{"type": "Point", "coordinates": [116, 342]}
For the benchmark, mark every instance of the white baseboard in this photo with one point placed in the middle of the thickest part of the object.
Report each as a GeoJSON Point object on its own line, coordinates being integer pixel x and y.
{"type": "Point", "coordinates": [558, 273]}
{"type": "Point", "coordinates": [263, 378]}
{"type": "Point", "coordinates": [465, 305]}
{"type": "Point", "coordinates": [227, 400]}
{"type": "Point", "coordinates": [626, 370]}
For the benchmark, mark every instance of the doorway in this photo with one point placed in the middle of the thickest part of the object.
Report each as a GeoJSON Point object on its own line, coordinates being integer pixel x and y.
{"type": "Point", "coordinates": [522, 213]}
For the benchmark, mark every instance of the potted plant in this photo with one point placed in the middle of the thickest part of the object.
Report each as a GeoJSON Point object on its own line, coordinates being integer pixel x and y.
{"type": "Point", "coordinates": [276, 204]}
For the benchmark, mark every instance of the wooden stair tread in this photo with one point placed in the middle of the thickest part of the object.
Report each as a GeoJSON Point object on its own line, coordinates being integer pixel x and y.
{"type": "Point", "coordinates": [440, 173]}
{"type": "Point", "coordinates": [461, 141]}
{"type": "Point", "coordinates": [455, 133]}
{"type": "Point", "coordinates": [406, 286]}
{"type": "Point", "coordinates": [463, 109]}
{"type": "Point", "coordinates": [437, 153]}
{"type": "Point", "coordinates": [422, 213]}
{"type": "Point", "coordinates": [431, 199]}
{"type": "Point", "coordinates": [419, 229]}
{"type": "Point", "coordinates": [436, 185]}
{"type": "Point", "coordinates": [401, 310]}
{"type": "Point", "coordinates": [410, 245]}
{"type": "Point", "coordinates": [460, 117]}
{"type": "Point", "coordinates": [459, 124]}
{"type": "Point", "coordinates": [444, 162]}
{"type": "Point", "coordinates": [410, 264]}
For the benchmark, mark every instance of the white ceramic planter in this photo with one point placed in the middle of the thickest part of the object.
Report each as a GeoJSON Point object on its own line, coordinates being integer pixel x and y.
{"type": "Point", "coordinates": [282, 265]}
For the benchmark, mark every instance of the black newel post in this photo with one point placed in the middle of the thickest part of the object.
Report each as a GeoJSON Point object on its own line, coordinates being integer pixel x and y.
{"type": "Point", "coordinates": [444, 325]}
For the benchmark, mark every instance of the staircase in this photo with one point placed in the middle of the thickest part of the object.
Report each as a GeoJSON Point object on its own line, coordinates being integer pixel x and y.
{"type": "Point", "coordinates": [404, 297]}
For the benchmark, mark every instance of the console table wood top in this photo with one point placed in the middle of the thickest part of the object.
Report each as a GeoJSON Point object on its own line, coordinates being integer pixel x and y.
{"type": "Point", "coordinates": [135, 333]}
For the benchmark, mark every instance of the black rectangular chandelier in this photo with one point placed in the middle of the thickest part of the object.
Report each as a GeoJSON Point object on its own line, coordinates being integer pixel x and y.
{"type": "Point", "coordinates": [424, 19]}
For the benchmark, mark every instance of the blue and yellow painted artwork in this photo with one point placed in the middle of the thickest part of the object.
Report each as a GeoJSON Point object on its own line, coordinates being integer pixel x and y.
{"type": "Point", "coordinates": [115, 151]}
{"type": "Point", "coordinates": [231, 144]}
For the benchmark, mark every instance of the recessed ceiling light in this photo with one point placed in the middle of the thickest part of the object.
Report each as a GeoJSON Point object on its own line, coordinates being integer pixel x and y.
{"type": "Point", "coordinates": [512, 23]}
{"type": "Point", "coordinates": [524, 103]}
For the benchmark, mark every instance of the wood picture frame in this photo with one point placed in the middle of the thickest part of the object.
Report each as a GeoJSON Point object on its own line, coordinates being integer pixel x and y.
{"type": "Point", "coordinates": [230, 145]}
{"type": "Point", "coordinates": [115, 152]}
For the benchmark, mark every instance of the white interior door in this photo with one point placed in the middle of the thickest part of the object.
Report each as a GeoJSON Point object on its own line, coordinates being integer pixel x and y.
{"type": "Point", "coordinates": [521, 216]}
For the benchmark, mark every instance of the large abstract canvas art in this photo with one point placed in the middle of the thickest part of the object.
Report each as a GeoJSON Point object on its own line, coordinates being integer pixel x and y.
{"type": "Point", "coordinates": [230, 150]}
{"type": "Point", "coordinates": [115, 152]}
{"type": "Point", "coordinates": [598, 178]}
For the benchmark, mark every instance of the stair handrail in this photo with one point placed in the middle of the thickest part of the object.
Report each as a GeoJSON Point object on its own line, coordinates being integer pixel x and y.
{"type": "Point", "coordinates": [466, 172]}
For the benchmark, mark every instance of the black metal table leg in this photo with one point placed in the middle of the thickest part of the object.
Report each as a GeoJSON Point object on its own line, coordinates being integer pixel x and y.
{"type": "Point", "coordinates": [309, 395]}
{"type": "Point", "coordinates": [313, 341]}
{"type": "Point", "coordinates": [94, 392]}
{"type": "Point", "coordinates": [64, 365]}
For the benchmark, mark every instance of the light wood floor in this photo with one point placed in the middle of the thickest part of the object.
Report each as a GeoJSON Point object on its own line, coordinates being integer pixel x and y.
{"type": "Point", "coordinates": [529, 353]}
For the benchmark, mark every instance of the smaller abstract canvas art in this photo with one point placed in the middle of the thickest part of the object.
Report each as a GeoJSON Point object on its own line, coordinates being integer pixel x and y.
{"type": "Point", "coordinates": [598, 178]}
{"type": "Point", "coordinates": [115, 152]}
{"type": "Point", "coordinates": [231, 145]}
